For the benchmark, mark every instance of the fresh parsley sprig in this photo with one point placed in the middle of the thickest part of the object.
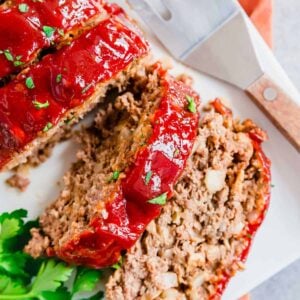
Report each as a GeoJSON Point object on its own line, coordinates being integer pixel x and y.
{"type": "Point", "coordinates": [22, 277]}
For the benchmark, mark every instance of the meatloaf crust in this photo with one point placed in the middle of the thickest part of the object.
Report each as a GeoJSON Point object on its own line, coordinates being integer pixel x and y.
{"type": "Point", "coordinates": [204, 232]}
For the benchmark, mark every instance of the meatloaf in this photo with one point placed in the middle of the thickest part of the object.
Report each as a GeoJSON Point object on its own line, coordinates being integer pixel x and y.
{"type": "Point", "coordinates": [27, 27]}
{"type": "Point", "coordinates": [66, 84]}
{"type": "Point", "coordinates": [125, 171]}
{"type": "Point", "coordinates": [204, 232]}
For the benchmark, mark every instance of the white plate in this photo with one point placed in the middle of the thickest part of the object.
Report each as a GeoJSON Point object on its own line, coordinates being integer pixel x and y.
{"type": "Point", "coordinates": [277, 243]}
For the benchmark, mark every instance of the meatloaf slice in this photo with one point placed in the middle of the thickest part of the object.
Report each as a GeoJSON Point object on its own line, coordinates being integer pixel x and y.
{"type": "Point", "coordinates": [204, 232]}
{"type": "Point", "coordinates": [125, 172]}
{"type": "Point", "coordinates": [65, 85]}
{"type": "Point", "coordinates": [27, 27]}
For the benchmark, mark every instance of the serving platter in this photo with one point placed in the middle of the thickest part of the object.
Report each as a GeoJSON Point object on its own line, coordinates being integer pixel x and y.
{"type": "Point", "coordinates": [277, 243]}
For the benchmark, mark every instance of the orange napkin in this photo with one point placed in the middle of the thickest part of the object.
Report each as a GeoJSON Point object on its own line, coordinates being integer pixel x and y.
{"type": "Point", "coordinates": [260, 12]}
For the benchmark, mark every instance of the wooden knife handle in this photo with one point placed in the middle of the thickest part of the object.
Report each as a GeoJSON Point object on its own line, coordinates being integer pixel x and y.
{"type": "Point", "coordinates": [278, 106]}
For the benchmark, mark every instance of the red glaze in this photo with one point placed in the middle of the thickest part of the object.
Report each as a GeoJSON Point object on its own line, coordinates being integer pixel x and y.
{"type": "Point", "coordinates": [22, 32]}
{"type": "Point", "coordinates": [165, 155]}
{"type": "Point", "coordinates": [94, 57]}
{"type": "Point", "coordinates": [258, 137]}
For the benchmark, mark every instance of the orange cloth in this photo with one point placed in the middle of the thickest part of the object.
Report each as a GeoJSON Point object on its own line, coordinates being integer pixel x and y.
{"type": "Point", "coordinates": [260, 12]}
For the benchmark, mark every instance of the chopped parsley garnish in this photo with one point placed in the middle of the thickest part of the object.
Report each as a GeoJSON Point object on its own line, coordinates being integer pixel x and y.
{"type": "Point", "coordinates": [148, 177]}
{"type": "Point", "coordinates": [49, 31]}
{"type": "Point", "coordinates": [40, 105]}
{"type": "Point", "coordinates": [160, 200]}
{"type": "Point", "coordinates": [18, 63]}
{"type": "Point", "coordinates": [61, 32]}
{"type": "Point", "coordinates": [114, 176]}
{"type": "Point", "coordinates": [176, 152]}
{"type": "Point", "coordinates": [8, 55]}
{"type": "Point", "coordinates": [119, 264]}
{"type": "Point", "coordinates": [22, 277]}
{"type": "Point", "coordinates": [86, 88]}
{"type": "Point", "coordinates": [48, 126]}
{"type": "Point", "coordinates": [58, 78]}
{"type": "Point", "coordinates": [29, 83]}
{"type": "Point", "coordinates": [191, 104]}
{"type": "Point", "coordinates": [23, 7]}
{"type": "Point", "coordinates": [69, 120]}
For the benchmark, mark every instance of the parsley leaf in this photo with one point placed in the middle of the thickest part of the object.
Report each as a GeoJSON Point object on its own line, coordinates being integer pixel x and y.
{"type": "Point", "coordinates": [50, 277]}
{"type": "Point", "coordinates": [13, 263]}
{"type": "Point", "coordinates": [49, 31]}
{"type": "Point", "coordinates": [58, 78]}
{"type": "Point", "coordinates": [98, 296]}
{"type": "Point", "coordinates": [86, 280]}
{"type": "Point", "coordinates": [29, 83]}
{"type": "Point", "coordinates": [118, 264]}
{"type": "Point", "coordinates": [8, 55]}
{"type": "Point", "coordinates": [23, 7]}
{"type": "Point", "coordinates": [9, 286]}
{"type": "Point", "coordinates": [148, 177]}
{"type": "Point", "coordinates": [114, 176]}
{"type": "Point", "coordinates": [160, 200]}
{"type": "Point", "coordinates": [40, 105]}
{"type": "Point", "coordinates": [191, 104]}
{"type": "Point", "coordinates": [47, 127]}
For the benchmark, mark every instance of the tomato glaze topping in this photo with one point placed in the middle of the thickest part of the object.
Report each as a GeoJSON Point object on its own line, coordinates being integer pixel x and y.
{"type": "Point", "coordinates": [37, 99]}
{"type": "Point", "coordinates": [27, 26]}
{"type": "Point", "coordinates": [128, 210]}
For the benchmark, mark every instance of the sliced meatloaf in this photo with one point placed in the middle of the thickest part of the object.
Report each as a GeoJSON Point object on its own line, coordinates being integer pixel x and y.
{"type": "Point", "coordinates": [204, 232]}
{"type": "Point", "coordinates": [27, 27]}
{"type": "Point", "coordinates": [66, 84]}
{"type": "Point", "coordinates": [125, 171]}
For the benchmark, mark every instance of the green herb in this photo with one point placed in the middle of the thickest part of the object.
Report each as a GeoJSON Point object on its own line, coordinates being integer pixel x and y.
{"type": "Point", "coordinates": [40, 105]}
{"type": "Point", "coordinates": [176, 152]}
{"type": "Point", "coordinates": [69, 121]}
{"type": "Point", "coordinates": [119, 264]}
{"type": "Point", "coordinates": [86, 280]}
{"type": "Point", "coordinates": [8, 55]}
{"type": "Point", "coordinates": [86, 88]}
{"type": "Point", "coordinates": [160, 200]}
{"type": "Point", "coordinates": [191, 104]}
{"type": "Point", "coordinates": [61, 32]}
{"type": "Point", "coordinates": [47, 127]}
{"type": "Point", "coordinates": [148, 177]}
{"type": "Point", "coordinates": [18, 63]}
{"type": "Point", "coordinates": [58, 78]}
{"type": "Point", "coordinates": [22, 277]}
{"type": "Point", "coordinates": [49, 31]}
{"type": "Point", "coordinates": [29, 83]}
{"type": "Point", "coordinates": [23, 7]}
{"type": "Point", "coordinates": [114, 176]}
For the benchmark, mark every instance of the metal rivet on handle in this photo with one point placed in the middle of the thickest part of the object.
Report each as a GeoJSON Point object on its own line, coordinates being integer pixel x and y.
{"type": "Point", "coordinates": [270, 94]}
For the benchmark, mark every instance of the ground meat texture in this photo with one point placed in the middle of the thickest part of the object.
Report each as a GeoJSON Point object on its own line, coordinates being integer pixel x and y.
{"type": "Point", "coordinates": [204, 232]}
{"type": "Point", "coordinates": [134, 153]}
{"type": "Point", "coordinates": [18, 181]}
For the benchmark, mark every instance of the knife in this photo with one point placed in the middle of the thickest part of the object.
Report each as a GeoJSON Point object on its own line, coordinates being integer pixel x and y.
{"type": "Point", "coordinates": [214, 37]}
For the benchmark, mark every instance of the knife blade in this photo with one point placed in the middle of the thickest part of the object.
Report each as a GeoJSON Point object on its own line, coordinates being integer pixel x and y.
{"type": "Point", "coordinates": [213, 37]}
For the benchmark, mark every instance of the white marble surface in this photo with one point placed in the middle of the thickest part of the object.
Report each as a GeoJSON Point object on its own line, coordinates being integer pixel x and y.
{"type": "Point", "coordinates": [286, 284]}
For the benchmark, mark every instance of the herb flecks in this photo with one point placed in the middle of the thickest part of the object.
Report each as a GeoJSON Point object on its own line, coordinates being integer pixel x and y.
{"type": "Point", "coordinates": [160, 200]}
{"type": "Point", "coordinates": [47, 127]}
{"type": "Point", "coordinates": [191, 104]}
{"type": "Point", "coordinates": [29, 83]}
{"type": "Point", "coordinates": [58, 78]}
{"type": "Point", "coordinates": [119, 264]}
{"type": "Point", "coordinates": [23, 7]}
{"type": "Point", "coordinates": [115, 176]}
{"type": "Point", "coordinates": [86, 88]}
{"type": "Point", "coordinates": [40, 105]}
{"type": "Point", "coordinates": [8, 55]}
{"type": "Point", "coordinates": [148, 177]}
{"type": "Point", "coordinates": [49, 31]}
